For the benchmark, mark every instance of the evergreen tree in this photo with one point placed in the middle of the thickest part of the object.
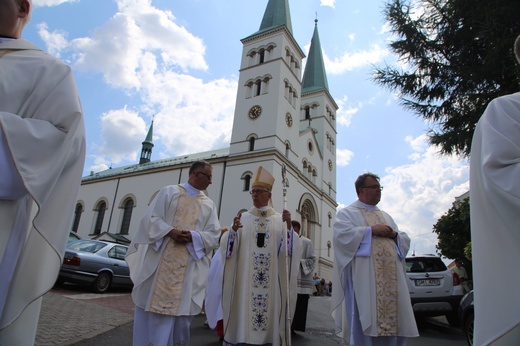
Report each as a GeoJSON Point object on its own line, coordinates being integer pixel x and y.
{"type": "Point", "coordinates": [457, 56]}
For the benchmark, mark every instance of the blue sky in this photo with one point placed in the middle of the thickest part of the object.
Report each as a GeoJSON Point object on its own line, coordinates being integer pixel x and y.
{"type": "Point", "coordinates": [179, 60]}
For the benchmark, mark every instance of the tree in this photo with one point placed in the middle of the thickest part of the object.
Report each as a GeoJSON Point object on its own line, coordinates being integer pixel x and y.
{"type": "Point", "coordinates": [454, 231]}
{"type": "Point", "coordinates": [457, 56]}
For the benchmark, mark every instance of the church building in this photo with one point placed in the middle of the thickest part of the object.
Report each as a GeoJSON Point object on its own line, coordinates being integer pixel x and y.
{"type": "Point", "coordinates": [282, 121]}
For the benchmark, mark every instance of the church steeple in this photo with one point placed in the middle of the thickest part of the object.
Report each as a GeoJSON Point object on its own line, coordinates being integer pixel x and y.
{"type": "Point", "coordinates": [276, 14]}
{"type": "Point", "coordinates": [146, 151]}
{"type": "Point", "coordinates": [315, 77]}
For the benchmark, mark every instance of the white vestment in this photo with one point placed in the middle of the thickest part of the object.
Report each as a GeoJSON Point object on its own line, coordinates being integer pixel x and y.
{"type": "Point", "coordinates": [495, 222]}
{"type": "Point", "coordinates": [255, 279]}
{"type": "Point", "coordinates": [43, 133]}
{"type": "Point", "coordinates": [213, 302]}
{"type": "Point", "coordinates": [152, 243]}
{"type": "Point", "coordinates": [307, 266]}
{"type": "Point", "coordinates": [354, 295]}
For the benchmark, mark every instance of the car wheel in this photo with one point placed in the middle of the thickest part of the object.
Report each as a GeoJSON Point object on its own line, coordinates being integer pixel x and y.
{"type": "Point", "coordinates": [453, 319]}
{"type": "Point", "coordinates": [468, 328]}
{"type": "Point", "coordinates": [59, 282]}
{"type": "Point", "coordinates": [102, 282]}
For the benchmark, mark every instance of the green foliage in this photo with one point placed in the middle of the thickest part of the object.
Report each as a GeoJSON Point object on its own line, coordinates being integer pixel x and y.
{"type": "Point", "coordinates": [453, 231]}
{"type": "Point", "coordinates": [467, 251]}
{"type": "Point", "coordinates": [456, 56]}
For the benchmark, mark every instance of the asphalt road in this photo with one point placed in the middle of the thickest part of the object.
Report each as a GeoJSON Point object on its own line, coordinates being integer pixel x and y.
{"type": "Point", "coordinates": [73, 316]}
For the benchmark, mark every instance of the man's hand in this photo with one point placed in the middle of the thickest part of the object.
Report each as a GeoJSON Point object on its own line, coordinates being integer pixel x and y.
{"type": "Point", "coordinates": [236, 222]}
{"type": "Point", "coordinates": [384, 231]}
{"type": "Point", "coordinates": [286, 216]}
{"type": "Point", "coordinates": [181, 237]}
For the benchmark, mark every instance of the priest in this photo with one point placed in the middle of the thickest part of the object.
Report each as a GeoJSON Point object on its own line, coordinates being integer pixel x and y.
{"type": "Point", "coordinates": [495, 231]}
{"type": "Point", "coordinates": [370, 297]}
{"type": "Point", "coordinates": [257, 276]}
{"type": "Point", "coordinates": [42, 153]}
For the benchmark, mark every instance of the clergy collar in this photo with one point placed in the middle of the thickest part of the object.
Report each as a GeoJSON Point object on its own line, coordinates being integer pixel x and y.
{"type": "Point", "coordinates": [367, 206]}
{"type": "Point", "coordinates": [192, 191]}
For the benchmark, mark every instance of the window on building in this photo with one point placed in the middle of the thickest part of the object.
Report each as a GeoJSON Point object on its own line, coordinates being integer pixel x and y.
{"type": "Point", "coordinates": [258, 87]}
{"type": "Point", "coordinates": [307, 112]}
{"type": "Point", "coordinates": [261, 58]}
{"type": "Point", "coordinates": [247, 182]}
{"type": "Point", "coordinates": [127, 216]}
{"type": "Point", "coordinates": [101, 208]}
{"type": "Point", "coordinates": [252, 144]}
{"type": "Point", "coordinates": [77, 217]}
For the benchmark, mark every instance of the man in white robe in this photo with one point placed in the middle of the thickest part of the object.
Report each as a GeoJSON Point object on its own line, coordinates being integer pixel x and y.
{"type": "Point", "coordinates": [169, 260]}
{"type": "Point", "coordinates": [256, 271]}
{"type": "Point", "coordinates": [42, 153]}
{"type": "Point", "coordinates": [305, 280]}
{"type": "Point", "coordinates": [495, 220]}
{"type": "Point", "coordinates": [370, 299]}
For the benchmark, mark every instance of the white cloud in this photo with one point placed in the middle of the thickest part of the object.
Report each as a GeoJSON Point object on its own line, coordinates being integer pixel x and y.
{"type": "Point", "coordinates": [416, 195]}
{"type": "Point", "coordinates": [137, 35]}
{"type": "Point", "coordinates": [40, 3]}
{"type": "Point", "coordinates": [55, 41]}
{"type": "Point", "coordinates": [346, 111]}
{"type": "Point", "coordinates": [122, 132]}
{"type": "Point", "coordinates": [142, 50]}
{"type": "Point", "coordinates": [343, 157]}
{"type": "Point", "coordinates": [350, 61]}
{"type": "Point", "coordinates": [330, 3]}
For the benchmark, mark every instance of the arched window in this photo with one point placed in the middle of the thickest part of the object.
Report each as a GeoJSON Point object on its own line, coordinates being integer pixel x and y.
{"type": "Point", "coordinates": [247, 182]}
{"type": "Point", "coordinates": [127, 216]}
{"type": "Point", "coordinates": [101, 208]}
{"type": "Point", "coordinates": [251, 143]}
{"type": "Point", "coordinates": [77, 217]}
{"type": "Point", "coordinates": [307, 112]}
{"type": "Point", "coordinates": [262, 56]}
{"type": "Point", "coordinates": [258, 87]}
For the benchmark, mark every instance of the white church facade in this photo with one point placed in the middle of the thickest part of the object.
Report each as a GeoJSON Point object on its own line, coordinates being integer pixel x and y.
{"type": "Point", "coordinates": [284, 117]}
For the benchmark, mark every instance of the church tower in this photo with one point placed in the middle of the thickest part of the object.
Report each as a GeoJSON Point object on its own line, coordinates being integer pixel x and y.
{"type": "Point", "coordinates": [285, 120]}
{"type": "Point", "coordinates": [268, 97]}
{"type": "Point", "coordinates": [318, 114]}
{"type": "Point", "coordinates": [146, 149]}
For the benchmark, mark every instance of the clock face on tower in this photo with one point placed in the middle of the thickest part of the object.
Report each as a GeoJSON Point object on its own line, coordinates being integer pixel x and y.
{"type": "Point", "coordinates": [255, 112]}
{"type": "Point", "coordinates": [288, 119]}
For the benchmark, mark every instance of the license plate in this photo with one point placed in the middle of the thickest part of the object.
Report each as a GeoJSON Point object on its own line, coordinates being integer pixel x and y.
{"type": "Point", "coordinates": [427, 282]}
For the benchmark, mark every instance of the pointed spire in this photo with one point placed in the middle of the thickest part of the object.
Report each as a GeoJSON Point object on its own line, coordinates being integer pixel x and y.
{"type": "Point", "coordinates": [146, 150]}
{"type": "Point", "coordinates": [276, 14]}
{"type": "Point", "coordinates": [315, 77]}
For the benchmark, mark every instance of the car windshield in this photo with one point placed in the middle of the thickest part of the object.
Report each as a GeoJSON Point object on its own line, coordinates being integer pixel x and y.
{"type": "Point", "coordinates": [86, 246]}
{"type": "Point", "coordinates": [421, 265]}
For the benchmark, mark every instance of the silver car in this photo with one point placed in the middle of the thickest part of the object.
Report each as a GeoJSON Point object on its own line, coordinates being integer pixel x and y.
{"type": "Point", "coordinates": [434, 289]}
{"type": "Point", "coordinates": [99, 264]}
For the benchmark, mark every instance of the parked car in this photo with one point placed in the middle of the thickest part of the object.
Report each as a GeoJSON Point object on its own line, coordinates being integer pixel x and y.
{"type": "Point", "coordinates": [99, 264]}
{"type": "Point", "coordinates": [73, 237]}
{"type": "Point", "coordinates": [434, 289]}
{"type": "Point", "coordinates": [467, 316]}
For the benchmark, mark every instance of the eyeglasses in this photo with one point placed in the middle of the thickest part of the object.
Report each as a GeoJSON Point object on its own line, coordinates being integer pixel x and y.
{"type": "Point", "coordinates": [373, 187]}
{"type": "Point", "coordinates": [209, 176]}
{"type": "Point", "coordinates": [258, 191]}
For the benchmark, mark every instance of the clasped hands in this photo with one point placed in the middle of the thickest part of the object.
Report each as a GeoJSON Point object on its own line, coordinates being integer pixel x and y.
{"type": "Point", "coordinates": [286, 217]}
{"type": "Point", "coordinates": [384, 231]}
{"type": "Point", "coordinates": [181, 237]}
